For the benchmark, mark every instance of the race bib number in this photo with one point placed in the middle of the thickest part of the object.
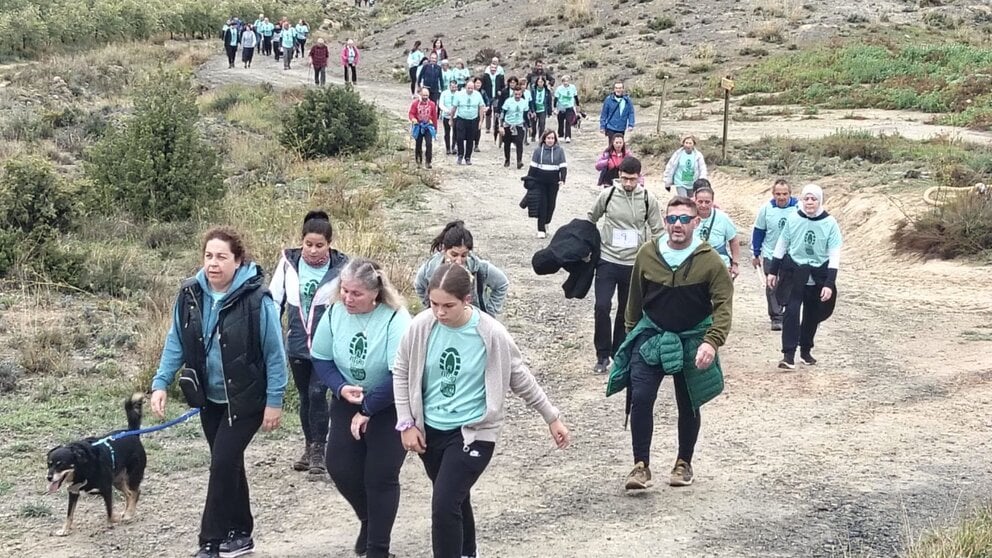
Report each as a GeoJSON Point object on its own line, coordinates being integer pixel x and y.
{"type": "Point", "coordinates": [625, 238]}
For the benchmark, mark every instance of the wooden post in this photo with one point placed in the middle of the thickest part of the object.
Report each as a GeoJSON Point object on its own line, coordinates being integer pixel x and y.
{"type": "Point", "coordinates": [661, 105]}
{"type": "Point", "coordinates": [727, 84]}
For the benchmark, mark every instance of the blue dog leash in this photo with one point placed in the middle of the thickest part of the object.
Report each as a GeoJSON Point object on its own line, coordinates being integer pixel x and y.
{"type": "Point", "coordinates": [105, 441]}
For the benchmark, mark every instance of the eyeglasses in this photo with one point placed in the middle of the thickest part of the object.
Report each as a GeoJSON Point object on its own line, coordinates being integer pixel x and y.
{"type": "Point", "coordinates": [684, 219]}
{"type": "Point", "coordinates": [628, 179]}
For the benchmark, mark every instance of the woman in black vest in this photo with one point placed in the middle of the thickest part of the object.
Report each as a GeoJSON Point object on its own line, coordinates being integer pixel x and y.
{"type": "Point", "coordinates": [225, 327]}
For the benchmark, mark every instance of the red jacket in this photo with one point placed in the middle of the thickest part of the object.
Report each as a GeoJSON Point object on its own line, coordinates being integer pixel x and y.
{"type": "Point", "coordinates": [431, 111]}
{"type": "Point", "coordinates": [344, 56]}
{"type": "Point", "coordinates": [319, 54]}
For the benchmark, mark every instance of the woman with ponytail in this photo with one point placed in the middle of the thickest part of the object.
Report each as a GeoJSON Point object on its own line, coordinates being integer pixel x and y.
{"type": "Point", "coordinates": [455, 245]}
{"type": "Point", "coordinates": [302, 285]}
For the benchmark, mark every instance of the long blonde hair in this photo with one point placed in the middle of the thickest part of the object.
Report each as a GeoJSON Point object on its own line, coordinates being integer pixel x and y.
{"type": "Point", "coordinates": [372, 277]}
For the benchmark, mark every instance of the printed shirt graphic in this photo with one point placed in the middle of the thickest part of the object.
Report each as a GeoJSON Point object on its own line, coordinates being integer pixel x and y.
{"type": "Point", "coordinates": [363, 346]}
{"type": "Point", "coordinates": [772, 220]}
{"type": "Point", "coordinates": [810, 242]}
{"type": "Point", "coordinates": [455, 376]}
{"type": "Point", "coordinates": [565, 94]}
{"type": "Point", "coordinates": [718, 230]}
{"type": "Point", "coordinates": [310, 278]}
{"type": "Point", "coordinates": [685, 172]}
{"type": "Point", "coordinates": [467, 106]}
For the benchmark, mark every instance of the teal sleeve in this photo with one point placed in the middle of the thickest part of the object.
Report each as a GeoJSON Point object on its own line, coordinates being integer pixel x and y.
{"type": "Point", "coordinates": [172, 356]}
{"type": "Point", "coordinates": [322, 346]}
{"type": "Point", "coordinates": [275, 354]}
{"type": "Point", "coordinates": [396, 331]}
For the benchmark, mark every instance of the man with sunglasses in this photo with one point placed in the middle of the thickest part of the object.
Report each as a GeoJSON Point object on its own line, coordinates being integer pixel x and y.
{"type": "Point", "coordinates": [678, 314]}
{"type": "Point", "coordinates": [630, 216]}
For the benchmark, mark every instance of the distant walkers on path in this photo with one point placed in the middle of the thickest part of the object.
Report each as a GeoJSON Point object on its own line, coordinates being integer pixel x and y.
{"type": "Point", "coordinates": [349, 61]}
{"type": "Point", "coordinates": [319, 54]}
{"type": "Point", "coordinates": [768, 226]}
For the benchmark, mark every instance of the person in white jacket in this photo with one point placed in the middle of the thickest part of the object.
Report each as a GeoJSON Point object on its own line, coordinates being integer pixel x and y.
{"type": "Point", "coordinates": [684, 167]}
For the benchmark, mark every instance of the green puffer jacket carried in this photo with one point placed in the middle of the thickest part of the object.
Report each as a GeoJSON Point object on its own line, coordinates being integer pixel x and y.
{"type": "Point", "coordinates": [675, 353]}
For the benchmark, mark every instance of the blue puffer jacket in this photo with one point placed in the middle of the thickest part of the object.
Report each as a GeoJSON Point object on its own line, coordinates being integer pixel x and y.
{"type": "Point", "coordinates": [285, 289]}
{"type": "Point", "coordinates": [612, 118]}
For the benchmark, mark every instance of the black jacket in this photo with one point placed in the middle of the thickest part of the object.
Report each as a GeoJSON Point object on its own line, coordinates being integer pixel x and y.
{"type": "Point", "coordinates": [487, 85]}
{"type": "Point", "coordinates": [574, 248]}
{"type": "Point", "coordinates": [238, 326]}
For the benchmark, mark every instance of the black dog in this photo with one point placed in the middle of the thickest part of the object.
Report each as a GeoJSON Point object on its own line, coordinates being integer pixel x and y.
{"type": "Point", "coordinates": [88, 466]}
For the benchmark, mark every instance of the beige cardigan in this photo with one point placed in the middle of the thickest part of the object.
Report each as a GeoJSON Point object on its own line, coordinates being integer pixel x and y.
{"type": "Point", "coordinates": [505, 371]}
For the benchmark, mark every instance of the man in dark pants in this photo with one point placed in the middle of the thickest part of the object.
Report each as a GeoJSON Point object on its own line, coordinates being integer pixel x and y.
{"type": "Point", "coordinates": [617, 114]}
{"type": "Point", "coordinates": [432, 78]}
{"type": "Point", "coordinates": [679, 312]}
{"type": "Point", "coordinates": [231, 39]}
{"type": "Point", "coordinates": [630, 217]}
{"type": "Point", "coordinates": [768, 225]}
{"type": "Point", "coordinates": [468, 108]}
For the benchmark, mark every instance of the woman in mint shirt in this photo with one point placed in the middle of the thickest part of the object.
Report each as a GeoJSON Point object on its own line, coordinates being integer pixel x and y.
{"type": "Point", "coordinates": [716, 228]}
{"type": "Point", "coordinates": [804, 274]}
{"type": "Point", "coordinates": [353, 351]}
{"type": "Point", "coordinates": [566, 102]}
{"type": "Point", "coordinates": [541, 106]}
{"type": "Point", "coordinates": [685, 166]}
{"type": "Point", "coordinates": [301, 32]}
{"type": "Point", "coordinates": [461, 73]}
{"type": "Point", "coordinates": [453, 369]}
{"type": "Point", "coordinates": [513, 115]}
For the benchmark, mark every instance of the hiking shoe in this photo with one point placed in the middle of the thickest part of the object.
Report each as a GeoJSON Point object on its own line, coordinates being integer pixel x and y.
{"type": "Point", "coordinates": [303, 463]}
{"type": "Point", "coordinates": [468, 161]}
{"type": "Point", "coordinates": [428, 166]}
{"type": "Point", "coordinates": [602, 366]}
{"type": "Point", "coordinates": [519, 165]}
{"type": "Point", "coordinates": [461, 161]}
{"type": "Point", "coordinates": [238, 544]}
{"type": "Point", "coordinates": [506, 164]}
{"type": "Point", "coordinates": [788, 362]}
{"type": "Point", "coordinates": [681, 474]}
{"type": "Point", "coordinates": [776, 325]}
{"type": "Point", "coordinates": [806, 358]}
{"type": "Point", "coordinates": [639, 477]}
{"type": "Point", "coordinates": [317, 468]}
{"type": "Point", "coordinates": [362, 543]}
{"type": "Point", "coordinates": [208, 550]}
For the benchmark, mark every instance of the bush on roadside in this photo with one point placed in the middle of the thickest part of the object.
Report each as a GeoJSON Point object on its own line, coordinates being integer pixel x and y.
{"type": "Point", "coordinates": [329, 121]}
{"type": "Point", "coordinates": [156, 164]}
{"type": "Point", "coordinates": [961, 227]}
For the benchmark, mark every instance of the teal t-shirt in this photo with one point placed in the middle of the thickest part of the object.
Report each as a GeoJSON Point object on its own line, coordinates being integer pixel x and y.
{"type": "Point", "coordinates": [718, 230]}
{"type": "Point", "coordinates": [539, 95]}
{"type": "Point", "coordinates": [810, 242]}
{"type": "Point", "coordinates": [461, 76]}
{"type": "Point", "coordinates": [467, 106]}
{"type": "Point", "coordinates": [514, 111]}
{"type": "Point", "coordinates": [363, 346]}
{"type": "Point", "coordinates": [673, 257]}
{"type": "Point", "coordinates": [288, 38]}
{"type": "Point", "coordinates": [455, 376]}
{"type": "Point", "coordinates": [447, 76]}
{"type": "Point", "coordinates": [310, 278]}
{"type": "Point", "coordinates": [685, 172]}
{"type": "Point", "coordinates": [565, 95]}
{"type": "Point", "coordinates": [772, 219]}
{"type": "Point", "coordinates": [446, 100]}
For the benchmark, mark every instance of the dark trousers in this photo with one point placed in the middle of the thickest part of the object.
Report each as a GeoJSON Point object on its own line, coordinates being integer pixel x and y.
{"type": "Point", "coordinates": [277, 49]}
{"type": "Point", "coordinates": [775, 309]}
{"type": "Point", "coordinates": [610, 278]}
{"type": "Point", "coordinates": [228, 507]}
{"type": "Point", "coordinates": [537, 125]}
{"type": "Point", "coordinates": [453, 469]}
{"type": "Point", "coordinates": [549, 199]}
{"type": "Point", "coordinates": [354, 73]}
{"type": "Point", "coordinates": [610, 134]}
{"type": "Point", "coordinates": [644, 383]}
{"type": "Point", "coordinates": [287, 58]}
{"type": "Point", "coordinates": [465, 131]}
{"type": "Point", "coordinates": [301, 45]}
{"type": "Point", "coordinates": [435, 96]}
{"type": "Point", "coordinates": [489, 119]}
{"type": "Point", "coordinates": [447, 135]}
{"type": "Point", "coordinates": [247, 54]}
{"type": "Point", "coordinates": [320, 75]}
{"type": "Point", "coordinates": [565, 123]}
{"type": "Point", "coordinates": [413, 80]}
{"type": "Point", "coordinates": [423, 138]}
{"type": "Point", "coordinates": [509, 138]}
{"type": "Point", "coordinates": [232, 54]}
{"type": "Point", "coordinates": [804, 299]}
{"type": "Point", "coordinates": [313, 400]}
{"type": "Point", "coordinates": [266, 45]}
{"type": "Point", "coordinates": [367, 471]}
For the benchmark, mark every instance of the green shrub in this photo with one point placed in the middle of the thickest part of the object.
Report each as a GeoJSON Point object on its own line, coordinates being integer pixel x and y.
{"type": "Point", "coordinates": [156, 164]}
{"type": "Point", "coordinates": [329, 121]}
{"type": "Point", "coordinates": [961, 227]}
{"type": "Point", "coordinates": [661, 23]}
{"type": "Point", "coordinates": [34, 200]}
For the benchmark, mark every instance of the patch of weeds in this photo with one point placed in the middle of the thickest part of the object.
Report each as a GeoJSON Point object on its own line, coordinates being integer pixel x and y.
{"type": "Point", "coordinates": [34, 510]}
{"type": "Point", "coordinates": [46, 353]}
{"type": "Point", "coordinates": [856, 19]}
{"type": "Point", "coordinates": [539, 21]}
{"type": "Point", "coordinates": [771, 31]}
{"type": "Point", "coordinates": [700, 68]}
{"type": "Point", "coordinates": [562, 48]}
{"type": "Point", "coordinates": [591, 33]}
{"type": "Point", "coordinates": [752, 51]}
{"type": "Point", "coordinates": [10, 373]}
{"type": "Point", "coordinates": [661, 23]}
{"type": "Point", "coordinates": [589, 63]}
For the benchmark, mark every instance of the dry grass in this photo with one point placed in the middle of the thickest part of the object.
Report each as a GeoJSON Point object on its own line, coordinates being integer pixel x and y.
{"type": "Point", "coordinates": [792, 10]}
{"type": "Point", "coordinates": [576, 12]}
{"type": "Point", "coordinates": [769, 31]}
{"type": "Point", "coordinates": [972, 538]}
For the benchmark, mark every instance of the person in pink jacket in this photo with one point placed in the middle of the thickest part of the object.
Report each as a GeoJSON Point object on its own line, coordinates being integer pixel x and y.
{"type": "Point", "coordinates": [349, 59]}
{"type": "Point", "coordinates": [609, 161]}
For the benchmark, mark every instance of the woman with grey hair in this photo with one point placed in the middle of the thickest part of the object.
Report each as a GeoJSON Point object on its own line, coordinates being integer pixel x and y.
{"type": "Point", "coordinates": [353, 351]}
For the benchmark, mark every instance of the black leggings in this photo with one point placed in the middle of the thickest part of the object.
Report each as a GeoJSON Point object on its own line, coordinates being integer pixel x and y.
{"type": "Point", "coordinates": [645, 380]}
{"type": "Point", "coordinates": [247, 54]}
{"type": "Point", "coordinates": [232, 54]}
{"type": "Point", "coordinates": [354, 73]}
{"type": "Point", "coordinates": [565, 123]}
{"type": "Point", "coordinates": [447, 136]}
{"type": "Point", "coordinates": [413, 80]}
{"type": "Point", "coordinates": [453, 469]}
{"type": "Point", "coordinates": [549, 199]}
{"type": "Point", "coordinates": [804, 300]}
{"type": "Point", "coordinates": [228, 505]}
{"type": "Point", "coordinates": [510, 139]}
{"type": "Point", "coordinates": [367, 471]}
{"type": "Point", "coordinates": [313, 400]}
{"type": "Point", "coordinates": [609, 334]}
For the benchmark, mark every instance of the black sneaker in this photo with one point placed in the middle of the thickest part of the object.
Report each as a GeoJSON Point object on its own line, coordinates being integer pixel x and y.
{"type": "Point", "coordinates": [506, 164]}
{"type": "Point", "coordinates": [788, 362]}
{"type": "Point", "coordinates": [776, 325]}
{"type": "Point", "coordinates": [602, 366]}
{"type": "Point", "coordinates": [238, 544]}
{"type": "Point", "coordinates": [362, 543]}
{"type": "Point", "coordinates": [208, 550]}
{"type": "Point", "coordinates": [806, 358]}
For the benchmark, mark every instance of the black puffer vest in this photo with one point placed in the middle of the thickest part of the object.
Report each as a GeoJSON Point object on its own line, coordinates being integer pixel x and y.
{"type": "Point", "coordinates": [239, 335]}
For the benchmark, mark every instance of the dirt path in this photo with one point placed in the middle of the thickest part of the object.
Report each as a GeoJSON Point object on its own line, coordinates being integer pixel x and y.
{"type": "Point", "coordinates": [886, 435]}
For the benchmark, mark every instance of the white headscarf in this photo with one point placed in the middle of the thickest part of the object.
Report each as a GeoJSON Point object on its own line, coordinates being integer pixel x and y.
{"type": "Point", "coordinates": [818, 193]}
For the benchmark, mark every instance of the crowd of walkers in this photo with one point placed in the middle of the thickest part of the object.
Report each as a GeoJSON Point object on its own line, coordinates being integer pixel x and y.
{"type": "Point", "coordinates": [376, 382]}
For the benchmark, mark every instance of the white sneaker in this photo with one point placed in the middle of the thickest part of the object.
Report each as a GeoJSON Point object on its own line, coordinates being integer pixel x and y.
{"type": "Point", "coordinates": [542, 234]}
{"type": "Point", "coordinates": [568, 140]}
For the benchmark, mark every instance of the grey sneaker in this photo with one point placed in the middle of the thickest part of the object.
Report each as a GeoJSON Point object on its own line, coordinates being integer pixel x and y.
{"type": "Point", "coordinates": [238, 544]}
{"type": "Point", "coordinates": [788, 362]}
{"type": "Point", "coordinates": [303, 463]}
{"type": "Point", "coordinates": [639, 478]}
{"type": "Point", "coordinates": [602, 366]}
{"type": "Point", "coordinates": [208, 550]}
{"type": "Point", "coordinates": [681, 474]}
{"type": "Point", "coordinates": [317, 468]}
{"type": "Point", "coordinates": [806, 358]}
{"type": "Point", "coordinates": [776, 325]}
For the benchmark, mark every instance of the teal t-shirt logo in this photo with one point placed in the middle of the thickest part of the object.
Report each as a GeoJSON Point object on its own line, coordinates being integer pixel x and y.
{"type": "Point", "coordinates": [809, 239]}
{"type": "Point", "coordinates": [781, 223]}
{"type": "Point", "coordinates": [451, 365]}
{"type": "Point", "coordinates": [704, 233]}
{"type": "Point", "coordinates": [688, 170]}
{"type": "Point", "coordinates": [309, 290]}
{"type": "Point", "coordinates": [358, 349]}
